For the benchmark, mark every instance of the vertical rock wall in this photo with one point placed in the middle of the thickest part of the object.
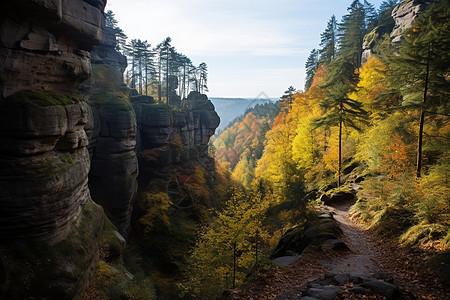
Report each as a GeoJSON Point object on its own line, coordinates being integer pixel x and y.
{"type": "Point", "coordinates": [49, 226]}
{"type": "Point", "coordinates": [163, 130]}
{"type": "Point", "coordinates": [114, 167]}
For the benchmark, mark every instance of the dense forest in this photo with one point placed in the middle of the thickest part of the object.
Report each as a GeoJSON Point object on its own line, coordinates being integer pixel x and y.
{"type": "Point", "coordinates": [151, 68]}
{"type": "Point", "coordinates": [379, 121]}
{"type": "Point", "coordinates": [115, 185]}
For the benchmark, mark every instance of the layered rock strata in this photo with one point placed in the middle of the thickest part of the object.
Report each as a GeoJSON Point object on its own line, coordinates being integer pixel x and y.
{"type": "Point", "coordinates": [50, 227]}
{"type": "Point", "coordinates": [163, 131]}
{"type": "Point", "coordinates": [404, 15]}
{"type": "Point", "coordinates": [112, 135]}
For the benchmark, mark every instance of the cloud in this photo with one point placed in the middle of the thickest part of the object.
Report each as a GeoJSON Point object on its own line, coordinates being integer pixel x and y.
{"type": "Point", "coordinates": [201, 27]}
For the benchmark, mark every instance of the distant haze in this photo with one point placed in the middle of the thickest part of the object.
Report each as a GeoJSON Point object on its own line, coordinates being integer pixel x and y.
{"type": "Point", "coordinates": [230, 108]}
{"type": "Point", "coordinates": [249, 45]}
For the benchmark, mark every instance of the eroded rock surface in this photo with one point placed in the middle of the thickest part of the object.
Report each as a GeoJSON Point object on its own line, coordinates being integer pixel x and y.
{"type": "Point", "coordinates": [46, 44]}
{"type": "Point", "coordinates": [404, 15]}
{"type": "Point", "coordinates": [49, 226]}
{"type": "Point", "coordinates": [112, 135]}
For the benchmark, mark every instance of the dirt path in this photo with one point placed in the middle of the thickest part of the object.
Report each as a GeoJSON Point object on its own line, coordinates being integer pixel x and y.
{"type": "Point", "coordinates": [366, 256]}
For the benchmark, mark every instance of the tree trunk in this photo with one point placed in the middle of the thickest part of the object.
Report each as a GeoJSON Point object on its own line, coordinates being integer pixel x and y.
{"type": "Point", "coordinates": [256, 245]}
{"type": "Point", "coordinates": [167, 78]}
{"type": "Point", "coordinates": [340, 147]}
{"type": "Point", "coordinates": [234, 265]}
{"type": "Point", "coordinates": [422, 121]}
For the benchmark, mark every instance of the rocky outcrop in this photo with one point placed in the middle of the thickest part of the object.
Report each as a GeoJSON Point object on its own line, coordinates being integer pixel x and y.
{"type": "Point", "coordinates": [164, 131]}
{"type": "Point", "coordinates": [404, 15]}
{"type": "Point", "coordinates": [46, 44]}
{"type": "Point", "coordinates": [50, 227]}
{"type": "Point", "coordinates": [347, 286]}
{"type": "Point", "coordinates": [112, 136]}
{"type": "Point", "coordinates": [322, 233]}
{"type": "Point", "coordinates": [371, 40]}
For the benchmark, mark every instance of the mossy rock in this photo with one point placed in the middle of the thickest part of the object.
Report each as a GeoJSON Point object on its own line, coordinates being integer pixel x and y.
{"type": "Point", "coordinates": [58, 271]}
{"type": "Point", "coordinates": [441, 264]}
{"type": "Point", "coordinates": [112, 243]}
{"type": "Point", "coordinates": [310, 236]}
{"type": "Point", "coordinates": [39, 98]}
{"type": "Point", "coordinates": [117, 100]}
{"type": "Point", "coordinates": [393, 221]}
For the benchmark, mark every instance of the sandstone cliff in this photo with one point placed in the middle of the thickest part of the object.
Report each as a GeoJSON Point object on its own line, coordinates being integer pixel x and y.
{"type": "Point", "coordinates": [112, 135]}
{"type": "Point", "coordinates": [58, 147]}
{"type": "Point", "coordinates": [49, 225]}
{"type": "Point", "coordinates": [403, 15]}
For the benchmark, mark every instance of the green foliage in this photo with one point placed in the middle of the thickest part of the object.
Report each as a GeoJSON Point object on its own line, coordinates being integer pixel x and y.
{"type": "Point", "coordinates": [228, 248]}
{"type": "Point", "coordinates": [328, 41]}
{"type": "Point", "coordinates": [311, 65]}
{"type": "Point", "coordinates": [37, 98]}
{"type": "Point", "coordinates": [113, 99]}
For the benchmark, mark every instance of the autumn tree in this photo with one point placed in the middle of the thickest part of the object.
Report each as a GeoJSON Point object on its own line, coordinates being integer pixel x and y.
{"type": "Point", "coordinates": [224, 251]}
{"type": "Point", "coordinates": [420, 70]}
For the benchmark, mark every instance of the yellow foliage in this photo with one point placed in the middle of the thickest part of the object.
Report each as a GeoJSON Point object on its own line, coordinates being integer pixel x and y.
{"type": "Point", "coordinates": [156, 207]}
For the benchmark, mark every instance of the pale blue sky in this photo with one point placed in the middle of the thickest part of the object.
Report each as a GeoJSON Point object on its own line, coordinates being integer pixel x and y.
{"type": "Point", "coordinates": [250, 46]}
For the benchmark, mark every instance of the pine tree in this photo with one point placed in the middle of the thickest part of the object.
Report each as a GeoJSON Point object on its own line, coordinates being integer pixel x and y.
{"type": "Point", "coordinates": [384, 13]}
{"type": "Point", "coordinates": [311, 65]}
{"type": "Point", "coordinates": [328, 42]}
{"type": "Point", "coordinates": [420, 70]}
{"type": "Point", "coordinates": [121, 38]}
{"type": "Point", "coordinates": [351, 34]}
{"type": "Point", "coordinates": [339, 109]}
{"type": "Point", "coordinates": [371, 16]}
{"type": "Point", "coordinates": [202, 77]}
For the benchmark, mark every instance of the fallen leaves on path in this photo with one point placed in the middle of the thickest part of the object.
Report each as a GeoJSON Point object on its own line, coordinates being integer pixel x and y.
{"type": "Point", "coordinates": [408, 266]}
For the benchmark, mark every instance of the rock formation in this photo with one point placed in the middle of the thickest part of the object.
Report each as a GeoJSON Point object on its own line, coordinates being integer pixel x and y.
{"type": "Point", "coordinates": [404, 15]}
{"type": "Point", "coordinates": [49, 225]}
{"type": "Point", "coordinates": [112, 135]}
{"type": "Point", "coordinates": [159, 127]}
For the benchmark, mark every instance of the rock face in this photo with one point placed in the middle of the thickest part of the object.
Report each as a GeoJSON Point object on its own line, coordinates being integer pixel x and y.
{"type": "Point", "coordinates": [48, 219]}
{"type": "Point", "coordinates": [322, 233]}
{"type": "Point", "coordinates": [112, 136]}
{"type": "Point", "coordinates": [371, 39]}
{"type": "Point", "coordinates": [45, 45]}
{"type": "Point", "coordinates": [167, 136]}
{"type": "Point", "coordinates": [404, 15]}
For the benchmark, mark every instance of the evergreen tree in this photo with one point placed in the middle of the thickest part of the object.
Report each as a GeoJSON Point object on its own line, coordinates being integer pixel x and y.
{"type": "Point", "coordinates": [339, 109]}
{"type": "Point", "coordinates": [371, 16]}
{"type": "Point", "coordinates": [328, 42]}
{"type": "Point", "coordinates": [203, 77]}
{"type": "Point", "coordinates": [287, 98]}
{"type": "Point", "coordinates": [121, 38]}
{"type": "Point", "coordinates": [385, 13]}
{"type": "Point", "coordinates": [420, 70]}
{"type": "Point", "coordinates": [351, 34]}
{"type": "Point", "coordinates": [311, 65]}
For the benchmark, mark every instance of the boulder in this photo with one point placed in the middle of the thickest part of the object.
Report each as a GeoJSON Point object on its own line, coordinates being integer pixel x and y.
{"type": "Point", "coordinates": [339, 197]}
{"type": "Point", "coordinates": [298, 239]}
{"type": "Point", "coordinates": [330, 286]}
